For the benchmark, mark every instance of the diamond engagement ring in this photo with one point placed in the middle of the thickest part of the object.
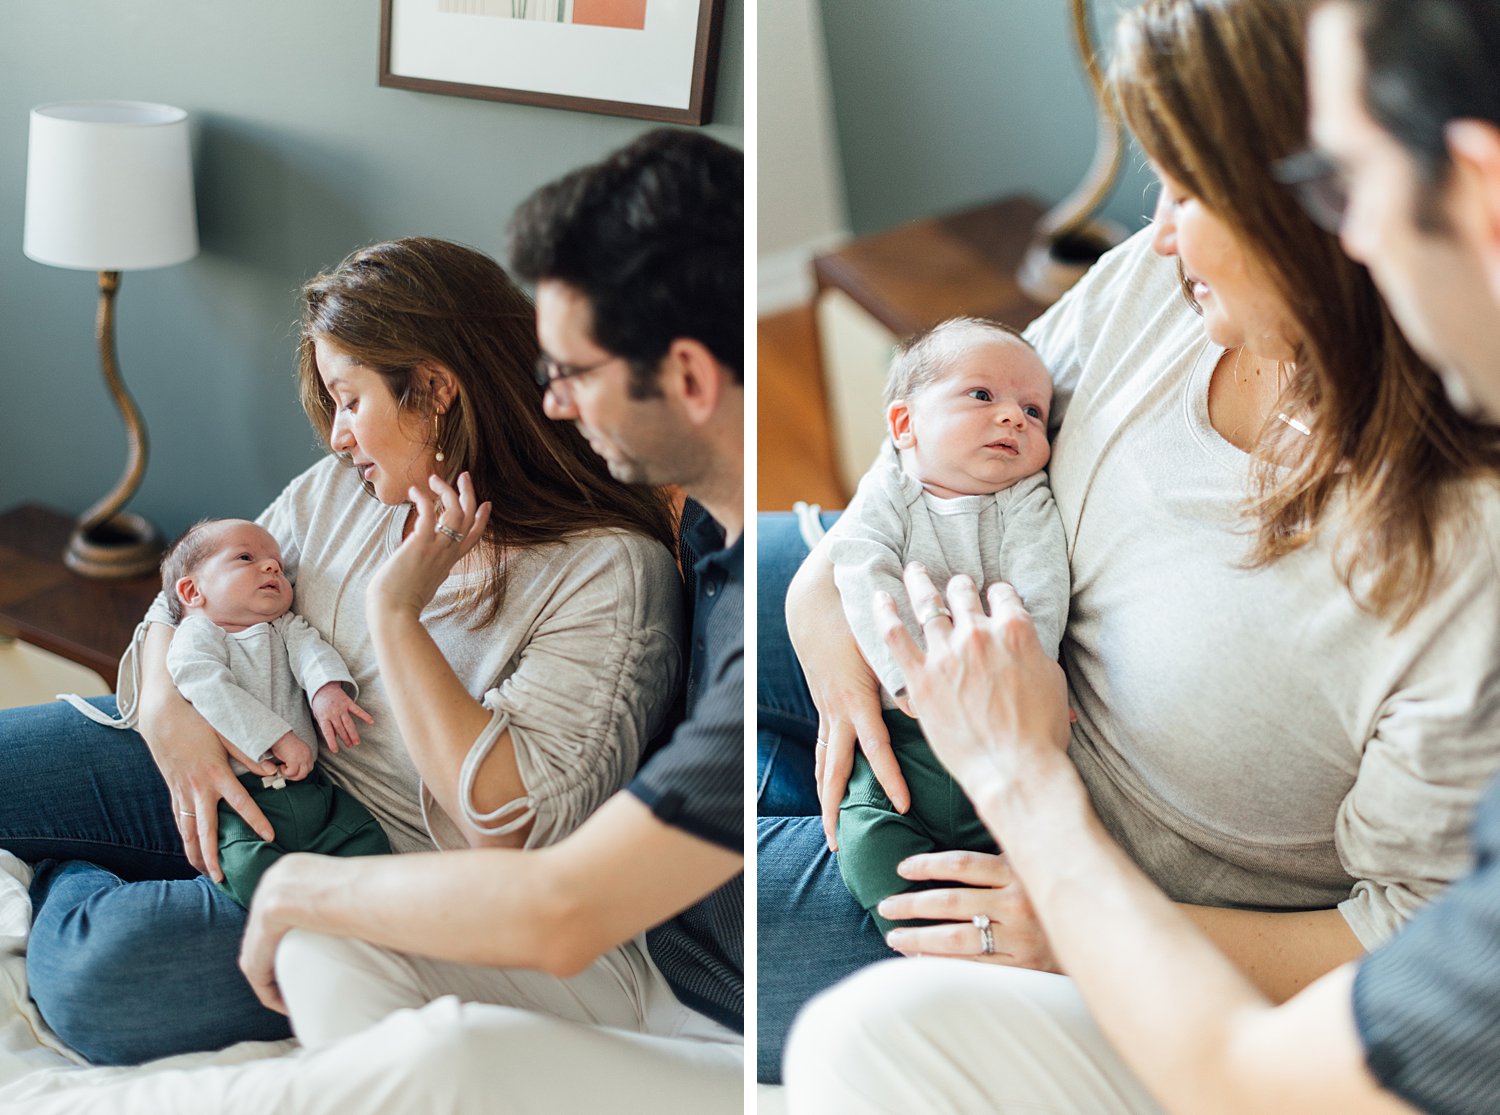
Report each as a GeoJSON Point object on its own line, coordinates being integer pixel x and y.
{"type": "Point", "coordinates": [986, 938]}
{"type": "Point", "coordinates": [450, 532]}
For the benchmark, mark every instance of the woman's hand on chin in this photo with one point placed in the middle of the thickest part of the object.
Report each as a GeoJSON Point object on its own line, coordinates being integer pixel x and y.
{"type": "Point", "coordinates": [989, 890]}
{"type": "Point", "coordinates": [437, 540]}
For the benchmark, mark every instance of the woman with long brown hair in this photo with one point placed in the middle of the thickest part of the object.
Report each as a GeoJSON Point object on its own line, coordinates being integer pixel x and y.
{"type": "Point", "coordinates": [1279, 648]}
{"type": "Point", "coordinates": [510, 697]}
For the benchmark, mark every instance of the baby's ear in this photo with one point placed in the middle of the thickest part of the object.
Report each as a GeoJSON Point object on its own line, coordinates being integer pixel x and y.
{"type": "Point", "coordinates": [898, 423]}
{"type": "Point", "coordinates": [187, 592]}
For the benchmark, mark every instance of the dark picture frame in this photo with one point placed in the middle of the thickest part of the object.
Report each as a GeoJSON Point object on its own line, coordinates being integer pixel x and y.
{"type": "Point", "coordinates": [694, 101]}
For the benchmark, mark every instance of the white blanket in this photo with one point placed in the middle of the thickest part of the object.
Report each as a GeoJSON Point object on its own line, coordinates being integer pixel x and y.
{"type": "Point", "coordinates": [34, 1063]}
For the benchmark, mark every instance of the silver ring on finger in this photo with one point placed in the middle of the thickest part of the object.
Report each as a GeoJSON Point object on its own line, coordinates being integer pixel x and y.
{"type": "Point", "coordinates": [986, 937]}
{"type": "Point", "coordinates": [937, 611]}
{"type": "Point", "coordinates": [185, 813]}
{"type": "Point", "coordinates": [449, 532]}
{"type": "Point", "coordinates": [821, 743]}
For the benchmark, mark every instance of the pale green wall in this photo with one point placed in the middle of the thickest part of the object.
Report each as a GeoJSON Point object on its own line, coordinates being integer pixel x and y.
{"type": "Point", "coordinates": [300, 157]}
{"type": "Point", "coordinates": [940, 104]}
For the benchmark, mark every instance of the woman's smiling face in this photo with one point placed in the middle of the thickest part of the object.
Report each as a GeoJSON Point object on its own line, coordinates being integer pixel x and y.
{"type": "Point", "coordinates": [391, 448]}
{"type": "Point", "coordinates": [1240, 305]}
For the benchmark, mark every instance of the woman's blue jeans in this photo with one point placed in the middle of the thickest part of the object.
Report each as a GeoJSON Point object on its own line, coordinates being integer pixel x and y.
{"type": "Point", "coordinates": [811, 932]}
{"type": "Point", "coordinates": [132, 953]}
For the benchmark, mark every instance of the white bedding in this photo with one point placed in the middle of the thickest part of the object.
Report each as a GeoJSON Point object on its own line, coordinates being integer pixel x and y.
{"type": "Point", "coordinates": [34, 1063]}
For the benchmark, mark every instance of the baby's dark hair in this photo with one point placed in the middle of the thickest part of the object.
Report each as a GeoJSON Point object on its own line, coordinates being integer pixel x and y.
{"type": "Point", "coordinates": [921, 358]}
{"type": "Point", "coordinates": [184, 556]}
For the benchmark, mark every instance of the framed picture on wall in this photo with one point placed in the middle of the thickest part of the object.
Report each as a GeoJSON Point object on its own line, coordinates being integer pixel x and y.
{"type": "Point", "coordinates": [651, 59]}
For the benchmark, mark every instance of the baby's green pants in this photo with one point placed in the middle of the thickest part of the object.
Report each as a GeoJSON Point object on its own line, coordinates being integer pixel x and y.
{"type": "Point", "coordinates": [874, 838]}
{"type": "Point", "coordinates": [313, 815]}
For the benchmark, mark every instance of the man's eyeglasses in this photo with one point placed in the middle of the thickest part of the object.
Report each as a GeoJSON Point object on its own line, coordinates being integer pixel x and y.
{"type": "Point", "coordinates": [549, 372]}
{"type": "Point", "coordinates": [1318, 185]}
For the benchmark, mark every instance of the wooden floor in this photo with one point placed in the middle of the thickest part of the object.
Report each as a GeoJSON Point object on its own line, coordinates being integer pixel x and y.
{"type": "Point", "coordinates": [796, 452]}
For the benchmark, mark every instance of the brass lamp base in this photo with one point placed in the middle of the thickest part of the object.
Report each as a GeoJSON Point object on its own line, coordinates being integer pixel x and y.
{"type": "Point", "coordinates": [1051, 265]}
{"type": "Point", "coordinates": [106, 541]}
{"type": "Point", "coordinates": [123, 546]}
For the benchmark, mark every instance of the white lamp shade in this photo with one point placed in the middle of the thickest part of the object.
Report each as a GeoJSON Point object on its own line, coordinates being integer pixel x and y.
{"type": "Point", "coordinates": [109, 186]}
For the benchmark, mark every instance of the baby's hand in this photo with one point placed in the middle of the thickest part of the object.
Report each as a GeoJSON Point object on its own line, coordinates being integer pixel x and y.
{"type": "Point", "coordinates": [295, 757]}
{"type": "Point", "coordinates": [335, 711]}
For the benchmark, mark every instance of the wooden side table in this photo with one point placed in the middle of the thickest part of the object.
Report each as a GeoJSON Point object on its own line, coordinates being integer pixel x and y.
{"type": "Point", "coordinates": [879, 288]}
{"type": "Point", "coordinates": [44, 603]}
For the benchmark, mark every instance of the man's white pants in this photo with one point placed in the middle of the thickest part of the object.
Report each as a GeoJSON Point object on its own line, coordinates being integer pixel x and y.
{"type": "Point", "coordinates": [391, 1033]}
{"type": "Point", "coordinates": [612, 1038]}
{"type": "Point", "coordinates": [952, 1037]}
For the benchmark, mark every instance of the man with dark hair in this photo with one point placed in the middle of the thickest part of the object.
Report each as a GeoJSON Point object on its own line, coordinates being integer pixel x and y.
{"type": "Point", "coordinates": [1406, 112]}
{"type": "Point", "coordinates": [639, 269]}
{"type": "Point", "coordinates": [653, 236]}
{"type": "Point", "coordinates": [639, 266]}
{"type": "Point", "coordinates": [1406, 122]}
{"type": "Point", "coordinates": [1406, 98]}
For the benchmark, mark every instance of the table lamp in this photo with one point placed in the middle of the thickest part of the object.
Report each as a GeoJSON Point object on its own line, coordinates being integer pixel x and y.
{"type": "Point", "coordinates": [109, 188]}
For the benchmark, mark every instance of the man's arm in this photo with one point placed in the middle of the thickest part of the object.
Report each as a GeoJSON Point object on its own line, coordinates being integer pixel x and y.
{"type": "Point", "coordinates": [556, 909]}
{"type": "Point", "coordinates": [1198, 1032]}
{"type": "Point", "coordinates": [1191, 1024]}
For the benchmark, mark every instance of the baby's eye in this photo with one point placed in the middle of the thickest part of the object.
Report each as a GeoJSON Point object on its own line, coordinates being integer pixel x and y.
{"type": "Point", "coordinates": [981, 394]}
{"type": "Point", "coordinates": [246, 557]}
{"type": "Point", "coordinates": [1033, 411]}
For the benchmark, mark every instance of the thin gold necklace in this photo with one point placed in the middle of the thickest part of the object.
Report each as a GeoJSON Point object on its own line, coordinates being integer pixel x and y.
{"type": "Point", "coordinates": [1283, 377]}
{"type": "Point", "coordinates": [1284, 374]}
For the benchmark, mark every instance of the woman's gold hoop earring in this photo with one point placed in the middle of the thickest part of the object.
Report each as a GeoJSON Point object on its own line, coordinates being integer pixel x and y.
{"type": "Point", "coordinates": [438, 445]}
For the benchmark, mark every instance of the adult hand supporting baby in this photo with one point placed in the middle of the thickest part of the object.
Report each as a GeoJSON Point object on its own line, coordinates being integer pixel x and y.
{"type": "Point", "coordinates": [410, 578]}
{"type": "Point", "coordinates": [194, 761]}
{"type": "Point", "coordinates": [844, 690]}
{"type": "Point", "coordinates": [988, 887]}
